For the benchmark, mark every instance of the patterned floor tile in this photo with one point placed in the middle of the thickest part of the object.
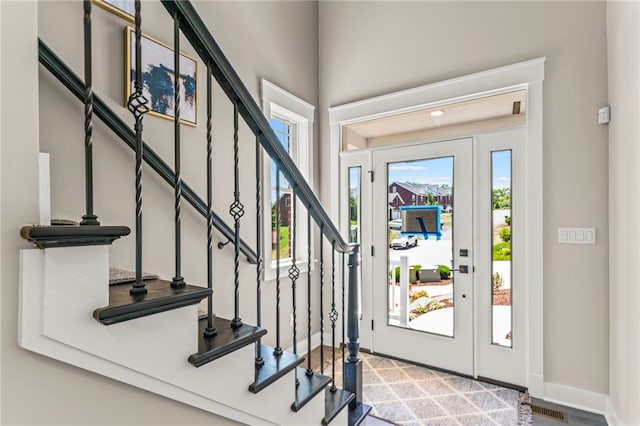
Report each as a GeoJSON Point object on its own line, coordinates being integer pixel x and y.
{"type": "Point", "coordinates": [425, 408]}
{"type": "Point", "coordinates": [486, 401]}
{"type": "Point", "coordinates": [505, 417]}
{"type": "Point", "coordinates": [380, 363]}
{"type": "Point", "coordinates": [407, 390]}
{"type": "Point", "coordinates": [441, 421]}
{"type": "Point", "coordinates": [394, 411]}
{"type": "Point", "coordinates": [419, 373]}
{"type": "Point", "coordinates": [475, 420]}
{"type": "Point", "coordinates": [462, 384]}
{"type": "Point", "coordinates": [377, 393]}
{"type": "Point", "coordinates": [391, 375]}
{"type": "Point", "coordinates": [455, 404]}
{"type": "Point", "coordinates": [436, 387]}
{"type": "Point", "coordinates": [370, 378]}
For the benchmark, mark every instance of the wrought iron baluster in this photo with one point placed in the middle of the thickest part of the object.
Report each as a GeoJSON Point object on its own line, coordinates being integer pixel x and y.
{"type": "Point", "coordinates": [178, 280]}
{"type": "Point", "coordinates": [259, 227]}
{"type": "Point", "coordinates": [237, 211]}
{"type": "Point", "coordinates": [89, 217]}
{"type": "Point", "coordinates": [309, 371]}
{"type": "Point", "coordinates": [137, 105]}
{"type": "Point", "coordinates": [333, 316]}
{"type": "Point", "coordinates": [210, 331]}
{"type": "Point", "coordinates": [343, 305]}
{"type": "Point", "coordinates": [278, 349]}
{"type": "Point", "coordinates": [294, 273]}
{"type": "Point", "coordinates": [321, 299]}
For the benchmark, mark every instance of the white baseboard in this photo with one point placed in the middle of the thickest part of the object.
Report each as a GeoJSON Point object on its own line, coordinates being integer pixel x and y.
{"type": "Point", "coordinates": [612, 414]}
{"type": "Point", "coordinates": [303, 344]}
{"type": "Point", "coordinates": [581, 399]}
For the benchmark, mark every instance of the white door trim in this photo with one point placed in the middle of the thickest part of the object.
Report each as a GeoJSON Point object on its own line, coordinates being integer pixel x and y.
{"type": "Point", "coordinates": [529, 74]}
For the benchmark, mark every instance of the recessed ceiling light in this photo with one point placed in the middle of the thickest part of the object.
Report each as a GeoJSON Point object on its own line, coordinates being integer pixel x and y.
{"type": "Point", "coordinates": [436, 113]}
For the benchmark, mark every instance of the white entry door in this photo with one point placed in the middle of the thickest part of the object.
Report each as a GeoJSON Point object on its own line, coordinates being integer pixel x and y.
{"type": "Point", "coordinates": [441, 227]}
{"type": "Point", "coordinates": [423, 273]}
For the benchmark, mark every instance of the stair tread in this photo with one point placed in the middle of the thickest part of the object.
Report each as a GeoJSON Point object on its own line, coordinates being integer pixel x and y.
{"type": "Point", "coordinates": [334, 402]}
{"type": "Point", "coordinates": [160, 297]}
{"type": "Point", "coordinates": [309, 387]}
{"type": "Point", "coordinates": [44, 236]}
{"type": "Point", "coordinates": [226, 341]}
{"type": "Point", "coordinates": [357, 413]}
{"type": "Point", "coordinates": [274, 367]}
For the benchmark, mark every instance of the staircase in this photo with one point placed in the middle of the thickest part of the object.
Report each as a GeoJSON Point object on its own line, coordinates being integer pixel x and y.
{"type": "Point", "coordinates": [154, 333]}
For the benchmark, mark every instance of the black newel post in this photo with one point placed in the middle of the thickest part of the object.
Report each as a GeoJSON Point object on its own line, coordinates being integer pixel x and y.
{"type": "Point", "coordinates": [89, 218]}
{"type": "Point", "coordinates": [353, 365]}
{"type": "Point", "coordinates": [177, 281]}
{"type": "Point", "coordinates": [137, 104]}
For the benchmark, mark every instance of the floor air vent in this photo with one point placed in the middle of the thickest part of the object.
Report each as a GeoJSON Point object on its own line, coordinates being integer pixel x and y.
{"type": "Point", "coordinates": [549, 413]}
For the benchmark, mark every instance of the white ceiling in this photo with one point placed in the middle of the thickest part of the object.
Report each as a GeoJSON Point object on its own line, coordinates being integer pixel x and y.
{"type": "Point", "coordinates": [481, 109]}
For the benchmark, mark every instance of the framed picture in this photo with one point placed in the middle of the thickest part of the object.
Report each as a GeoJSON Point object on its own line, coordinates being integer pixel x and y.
{"type": "Point", "coordinates": [158, 78]}
{"type": "Point", "coordinates": [125, 9]}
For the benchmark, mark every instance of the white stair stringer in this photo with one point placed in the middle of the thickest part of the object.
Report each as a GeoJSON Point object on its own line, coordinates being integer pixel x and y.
{"type": "Point", "coordinates": [60, 288]}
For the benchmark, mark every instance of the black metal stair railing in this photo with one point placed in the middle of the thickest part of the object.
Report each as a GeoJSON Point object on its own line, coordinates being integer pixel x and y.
{"type": "Point", "coordinates": [75, 85]}
{"type": "Point", "coordinates": [218, 336]}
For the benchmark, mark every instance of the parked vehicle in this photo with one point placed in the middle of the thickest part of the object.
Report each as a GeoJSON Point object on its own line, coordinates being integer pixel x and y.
{"type": "Point", "coordinates": [404, 242]}
{"type": "Point", "coordinates": [395, 224]}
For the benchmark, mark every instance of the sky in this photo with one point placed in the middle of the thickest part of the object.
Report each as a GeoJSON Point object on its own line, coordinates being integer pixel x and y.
{"type": "Point", "coordinates": [439, 171]}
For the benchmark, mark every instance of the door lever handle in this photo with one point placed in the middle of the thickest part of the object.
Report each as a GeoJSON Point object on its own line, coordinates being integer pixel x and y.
{"type": "Point", "coordinates": [463, 269]}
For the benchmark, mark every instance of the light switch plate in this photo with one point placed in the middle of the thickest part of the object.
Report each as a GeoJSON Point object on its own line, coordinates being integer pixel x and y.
{"type": "Point", "coordinates": [577, 235]}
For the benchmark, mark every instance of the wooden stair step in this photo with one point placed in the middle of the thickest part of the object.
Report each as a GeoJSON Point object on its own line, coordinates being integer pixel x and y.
{"type": "Point", "coordinates": [309, 387]}
{"type": "Point", "coordinates": [225, 342]}
{"type": "Point", "coordinates": [357, 413]}
{"type": "Point", "coordinates": [334, 402]}
{"type": "Point", "coordinates": [160, 297]}
{"type": "Point", "coordinates": [274, 367]}
{"type": "Point", "coordinates": [72, 235]}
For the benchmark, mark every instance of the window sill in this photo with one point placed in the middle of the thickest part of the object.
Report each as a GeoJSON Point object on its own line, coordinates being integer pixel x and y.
{"type": "Point", "coordinates": [270, 271]}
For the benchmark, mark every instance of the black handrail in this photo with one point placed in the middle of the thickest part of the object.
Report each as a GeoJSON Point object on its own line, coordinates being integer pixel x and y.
{"type": "Point", "coordinates": [195, 30]}
{"type": "Point", "coordinates": [72, 82]}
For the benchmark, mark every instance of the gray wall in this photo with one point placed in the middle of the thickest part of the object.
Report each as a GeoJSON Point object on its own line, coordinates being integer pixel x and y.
{"type": "Point", "coordinates": [374, 48]}
{"type": "Point", "coordinates": [274, 40]}
{"type": "Point", "coordinates": [623, 36]}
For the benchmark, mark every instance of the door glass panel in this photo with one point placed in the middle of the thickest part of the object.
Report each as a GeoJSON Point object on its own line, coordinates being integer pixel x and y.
{"type": "Point", "coordinates": [419, 214]}
{"type": "Point", "coordinates": [354, 204]}
{"type": "Point", "coordinates": [501, 248]}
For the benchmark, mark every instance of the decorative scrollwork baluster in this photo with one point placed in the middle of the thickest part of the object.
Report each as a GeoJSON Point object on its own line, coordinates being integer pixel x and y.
{"type": "Point", "coordinates": [236, 210]}
{"type": "Point", "coordinates": [137, 105]}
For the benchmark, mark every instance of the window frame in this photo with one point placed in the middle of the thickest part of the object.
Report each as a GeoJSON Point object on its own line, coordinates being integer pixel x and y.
{"type": "Point", "coordinates": [280, 104]}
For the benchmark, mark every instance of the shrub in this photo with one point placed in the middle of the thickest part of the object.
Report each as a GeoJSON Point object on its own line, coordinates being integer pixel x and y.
{"type": "Point", "coordinates": [505, 234]}
{"type": "Point", "coordinates": [497, 281]}
{"type": "Point", "coordinates": [445, 272]}
{"type": "Point", "coordinates": [507, 220]}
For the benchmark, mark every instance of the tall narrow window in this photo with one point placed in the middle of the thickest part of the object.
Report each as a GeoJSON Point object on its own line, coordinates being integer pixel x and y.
{"type": "Point", "coordinates": [354, 204]}
{"type": "Point", "coordinates": [291, 119]}
{"type": "Point", "coordinates": [281, 196]}
{"type": "Point", "coordinates": [501, 267]}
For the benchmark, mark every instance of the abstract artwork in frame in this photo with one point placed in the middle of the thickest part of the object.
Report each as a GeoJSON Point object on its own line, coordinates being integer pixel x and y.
{"type": "Point", "coordinates": [125, 9]}
{"type": "Point", "coordinates": [158, 78]}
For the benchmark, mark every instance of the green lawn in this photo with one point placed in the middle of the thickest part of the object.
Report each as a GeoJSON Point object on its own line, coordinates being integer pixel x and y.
{"type": "Point", "coordinates": [285, 250]}
{"type": "Point", "coordinates": [502, 251]}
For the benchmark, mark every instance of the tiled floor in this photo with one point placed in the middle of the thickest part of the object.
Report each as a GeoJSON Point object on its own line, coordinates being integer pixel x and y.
{"type": "Point", "coordinates": [406, 394]}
